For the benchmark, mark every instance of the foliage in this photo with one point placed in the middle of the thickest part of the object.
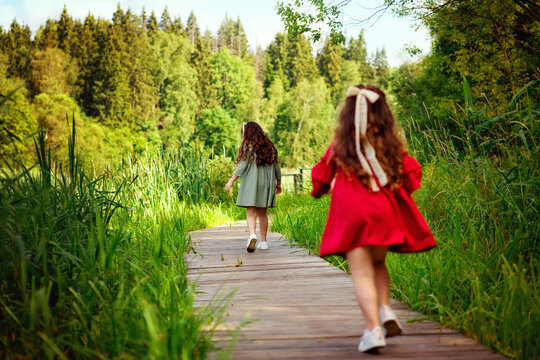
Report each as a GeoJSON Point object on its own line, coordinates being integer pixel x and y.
{"type": "Point", "coordinates": [51, 112]}
{"type": "Point", "coordinates": [234, 83]}
{"type": "Point", "coordinates": [192, 29]}
{"type": "Point", "coordinates": [200, 59]}
{"type": "Point", "coordinates": [290, 60]}
{"type": "Point", "coordinates": [52, 72]}
{"type": "Point", "coordinates": [304, 124]}
{"type": "Point", "coordinates": [17, 119]}
{"type": "Point", "coordinates": [219, 129]}
{"type": "Point", "coordinates": [124, 93]}
{"type": "Point", "coordinates": [175, 81]}
{"type": "Point", "coordinates": [275, 98]}
{"type": "Point", "coordinates": [17, 45]}
{"type": "Point", "coordinates": [299, 22]}
{"type": "Point", "coordinates": [104, 148]}
{"type": "Point", "coordinates": [490, 42]}
{"type": "Point", "coordinates": [221, 169]}
{"type": "Point", "coordinates": [143, 82]}
{"type": "Point", "coordinates": [330, 61]}
{"type": "Point", "coordinates": [380, 65]}
{"type": "Point", "coordinates": [231, 35]}
{"type": "Point", "coordinates": [356, 68]}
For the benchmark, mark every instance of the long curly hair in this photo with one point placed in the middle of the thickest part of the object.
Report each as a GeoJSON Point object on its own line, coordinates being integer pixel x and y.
{"type": "Point", "coordinates": [256, 142]}
{"type": "Point", "coordinates": [381, 133]}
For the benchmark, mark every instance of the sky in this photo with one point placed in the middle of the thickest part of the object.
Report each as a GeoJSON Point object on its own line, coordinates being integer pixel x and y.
{"type": "Point", "coordinates": [259, 18]}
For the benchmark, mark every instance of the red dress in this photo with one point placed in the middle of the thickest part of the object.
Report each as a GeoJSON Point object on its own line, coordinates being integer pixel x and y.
{"type": "Point", "coordinates": [359, 217]}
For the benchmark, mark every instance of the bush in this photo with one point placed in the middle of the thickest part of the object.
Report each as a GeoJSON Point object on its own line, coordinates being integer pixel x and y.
{"type": "Point", "coordinates": [221, 170]}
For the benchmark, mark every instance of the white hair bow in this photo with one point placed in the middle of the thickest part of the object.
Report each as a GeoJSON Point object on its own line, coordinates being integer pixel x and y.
{"type": "Point", "coordinates": [360, 127]}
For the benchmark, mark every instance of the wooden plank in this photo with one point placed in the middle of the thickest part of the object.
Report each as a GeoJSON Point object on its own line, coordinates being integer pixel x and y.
{"type": "Point", "coordinates": [299, 306]}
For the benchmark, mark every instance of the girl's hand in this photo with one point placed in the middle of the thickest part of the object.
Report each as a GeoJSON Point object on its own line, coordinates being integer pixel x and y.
{"type": "Point", "coordinates": [230, 183]}
{"type": "Point", "coordinates": [332, 186]}
{"type": "Point", "coordinates": [278, 189]}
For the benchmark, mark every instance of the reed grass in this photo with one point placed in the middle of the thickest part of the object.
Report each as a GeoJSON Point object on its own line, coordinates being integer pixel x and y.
{"type": "Point", "coordinates": [480, 198]}
{"type": "Point", "coordinates": [95, 267]}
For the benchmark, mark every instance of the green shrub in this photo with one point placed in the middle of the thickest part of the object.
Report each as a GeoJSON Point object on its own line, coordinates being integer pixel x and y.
{"type": "Point", "coordinates": [221, 170]}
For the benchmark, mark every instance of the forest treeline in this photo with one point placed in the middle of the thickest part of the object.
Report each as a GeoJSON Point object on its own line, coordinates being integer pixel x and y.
{"type": "Point", "coordinates": [138, 80]}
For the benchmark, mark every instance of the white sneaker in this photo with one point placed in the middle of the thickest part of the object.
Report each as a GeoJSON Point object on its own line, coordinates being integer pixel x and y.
{"type": "Point", "coordinates": [263, 245]}
{"type": "Point", "coordinates": [389, 321]}
{"type": "Point", "coordinates": [251, 243]}
{"type": "Point", "coordinates": [372, 340]}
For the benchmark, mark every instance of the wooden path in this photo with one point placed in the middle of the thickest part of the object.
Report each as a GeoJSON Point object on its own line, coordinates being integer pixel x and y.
{"type": "Point", "coordinates": [302, 307]}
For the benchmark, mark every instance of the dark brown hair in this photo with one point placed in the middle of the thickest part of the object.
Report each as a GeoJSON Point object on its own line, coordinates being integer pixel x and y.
{"type": "Point", "coordinates": [381, 133]}
{"type": "Point", "coordinates": [255, 141]}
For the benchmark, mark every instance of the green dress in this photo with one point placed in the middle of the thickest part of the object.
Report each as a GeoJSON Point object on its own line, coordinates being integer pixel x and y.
{"type": "Point", "coordinates": [258, 184]}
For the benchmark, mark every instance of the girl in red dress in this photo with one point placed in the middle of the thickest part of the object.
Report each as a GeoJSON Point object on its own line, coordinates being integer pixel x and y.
{"type": "Point", "coordinates": [371, 212]}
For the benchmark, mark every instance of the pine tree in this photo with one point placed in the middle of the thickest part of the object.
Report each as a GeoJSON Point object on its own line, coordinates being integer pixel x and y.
{"type": "Point", "coordinates": [66, 32]}
{"type": "Point", "coordinates": [177, 27]}
{"type": "Point", "coordinates": [275, 60]}
{"type": "Point", "coordinates": [382, 72]}
{"type": "Point", "coordinates": [330, 62]}
{"type": "Point", "coordinates": [47, 36]}
{"type": "Point", "coordinates": [259, 64]}
{"type": "Point", "coordinates": [151, 24]}
{"type": "Point", "coordinates": [356, 49]}
{"type": "Point", "coordinates": [200, 60]}
{"type": "Point", "coordinates": [192, 29]}
{"type": "Point", "coordinates": [124, 92]}
{"type": "Point", "coordinates": [144, 18]}
{"type": "Point", "coordinates": [88, 62]}
{"type": "Point", "coordinates": [210, 41]}
{"type": "Point", "coordinates": [300, 62]}
{"type": "Point", "coordinates": [232, 36]}
{"type": "Point", "coordinates": [165, 23]}
{"type": "Point", "coordinates": [17, 45]}
{"type": "Point", "coordinates": [356, 53]}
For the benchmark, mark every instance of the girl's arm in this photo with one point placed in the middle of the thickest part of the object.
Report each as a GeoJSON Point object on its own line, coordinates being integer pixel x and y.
{"type": "Point", "coordinates": [322, 175]}
{"type": "Point", "coordinates": [230, 183]}
{"type": "Point", "coordinates": [239, 172]}
{"type": "Point", "coordinates": [412, 173]}
{"type": "Point", "coordinates": [277, 170]}
{"type": "Point", "coordinates": [278, 187]}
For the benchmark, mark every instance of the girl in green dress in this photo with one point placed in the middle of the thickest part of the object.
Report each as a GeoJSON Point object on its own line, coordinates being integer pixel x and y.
{"type": "Point", "coordinates": [258, 166]}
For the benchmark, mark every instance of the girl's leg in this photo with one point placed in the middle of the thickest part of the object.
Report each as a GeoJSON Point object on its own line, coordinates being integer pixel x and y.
{"type": "Point", "coordinates": [382, 279]}
{"type": "Point", "coordinates": [382, 283]}
{"type": "Point", "coordinates": [251, 214]}
{"type": "Point", "coordinates": [363, 274]}
{"type": "Point", "coordinates": [263, 222]}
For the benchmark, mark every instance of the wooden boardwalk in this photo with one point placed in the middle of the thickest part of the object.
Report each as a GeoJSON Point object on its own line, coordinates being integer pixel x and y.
{"type": "Point", "coordinates": [300, 306]}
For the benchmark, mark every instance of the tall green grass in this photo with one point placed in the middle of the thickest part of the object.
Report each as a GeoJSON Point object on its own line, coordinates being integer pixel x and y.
{"type": "Point", "coordinates": [95, 267]}
{"type": "Point", "coordinates": [480, 198]}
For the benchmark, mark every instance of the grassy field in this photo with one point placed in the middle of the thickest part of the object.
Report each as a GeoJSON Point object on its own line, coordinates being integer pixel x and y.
{"type": "Point", "coordinates": [480, 198]}
{"type": "Point", "coordinates": [94, 267]}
